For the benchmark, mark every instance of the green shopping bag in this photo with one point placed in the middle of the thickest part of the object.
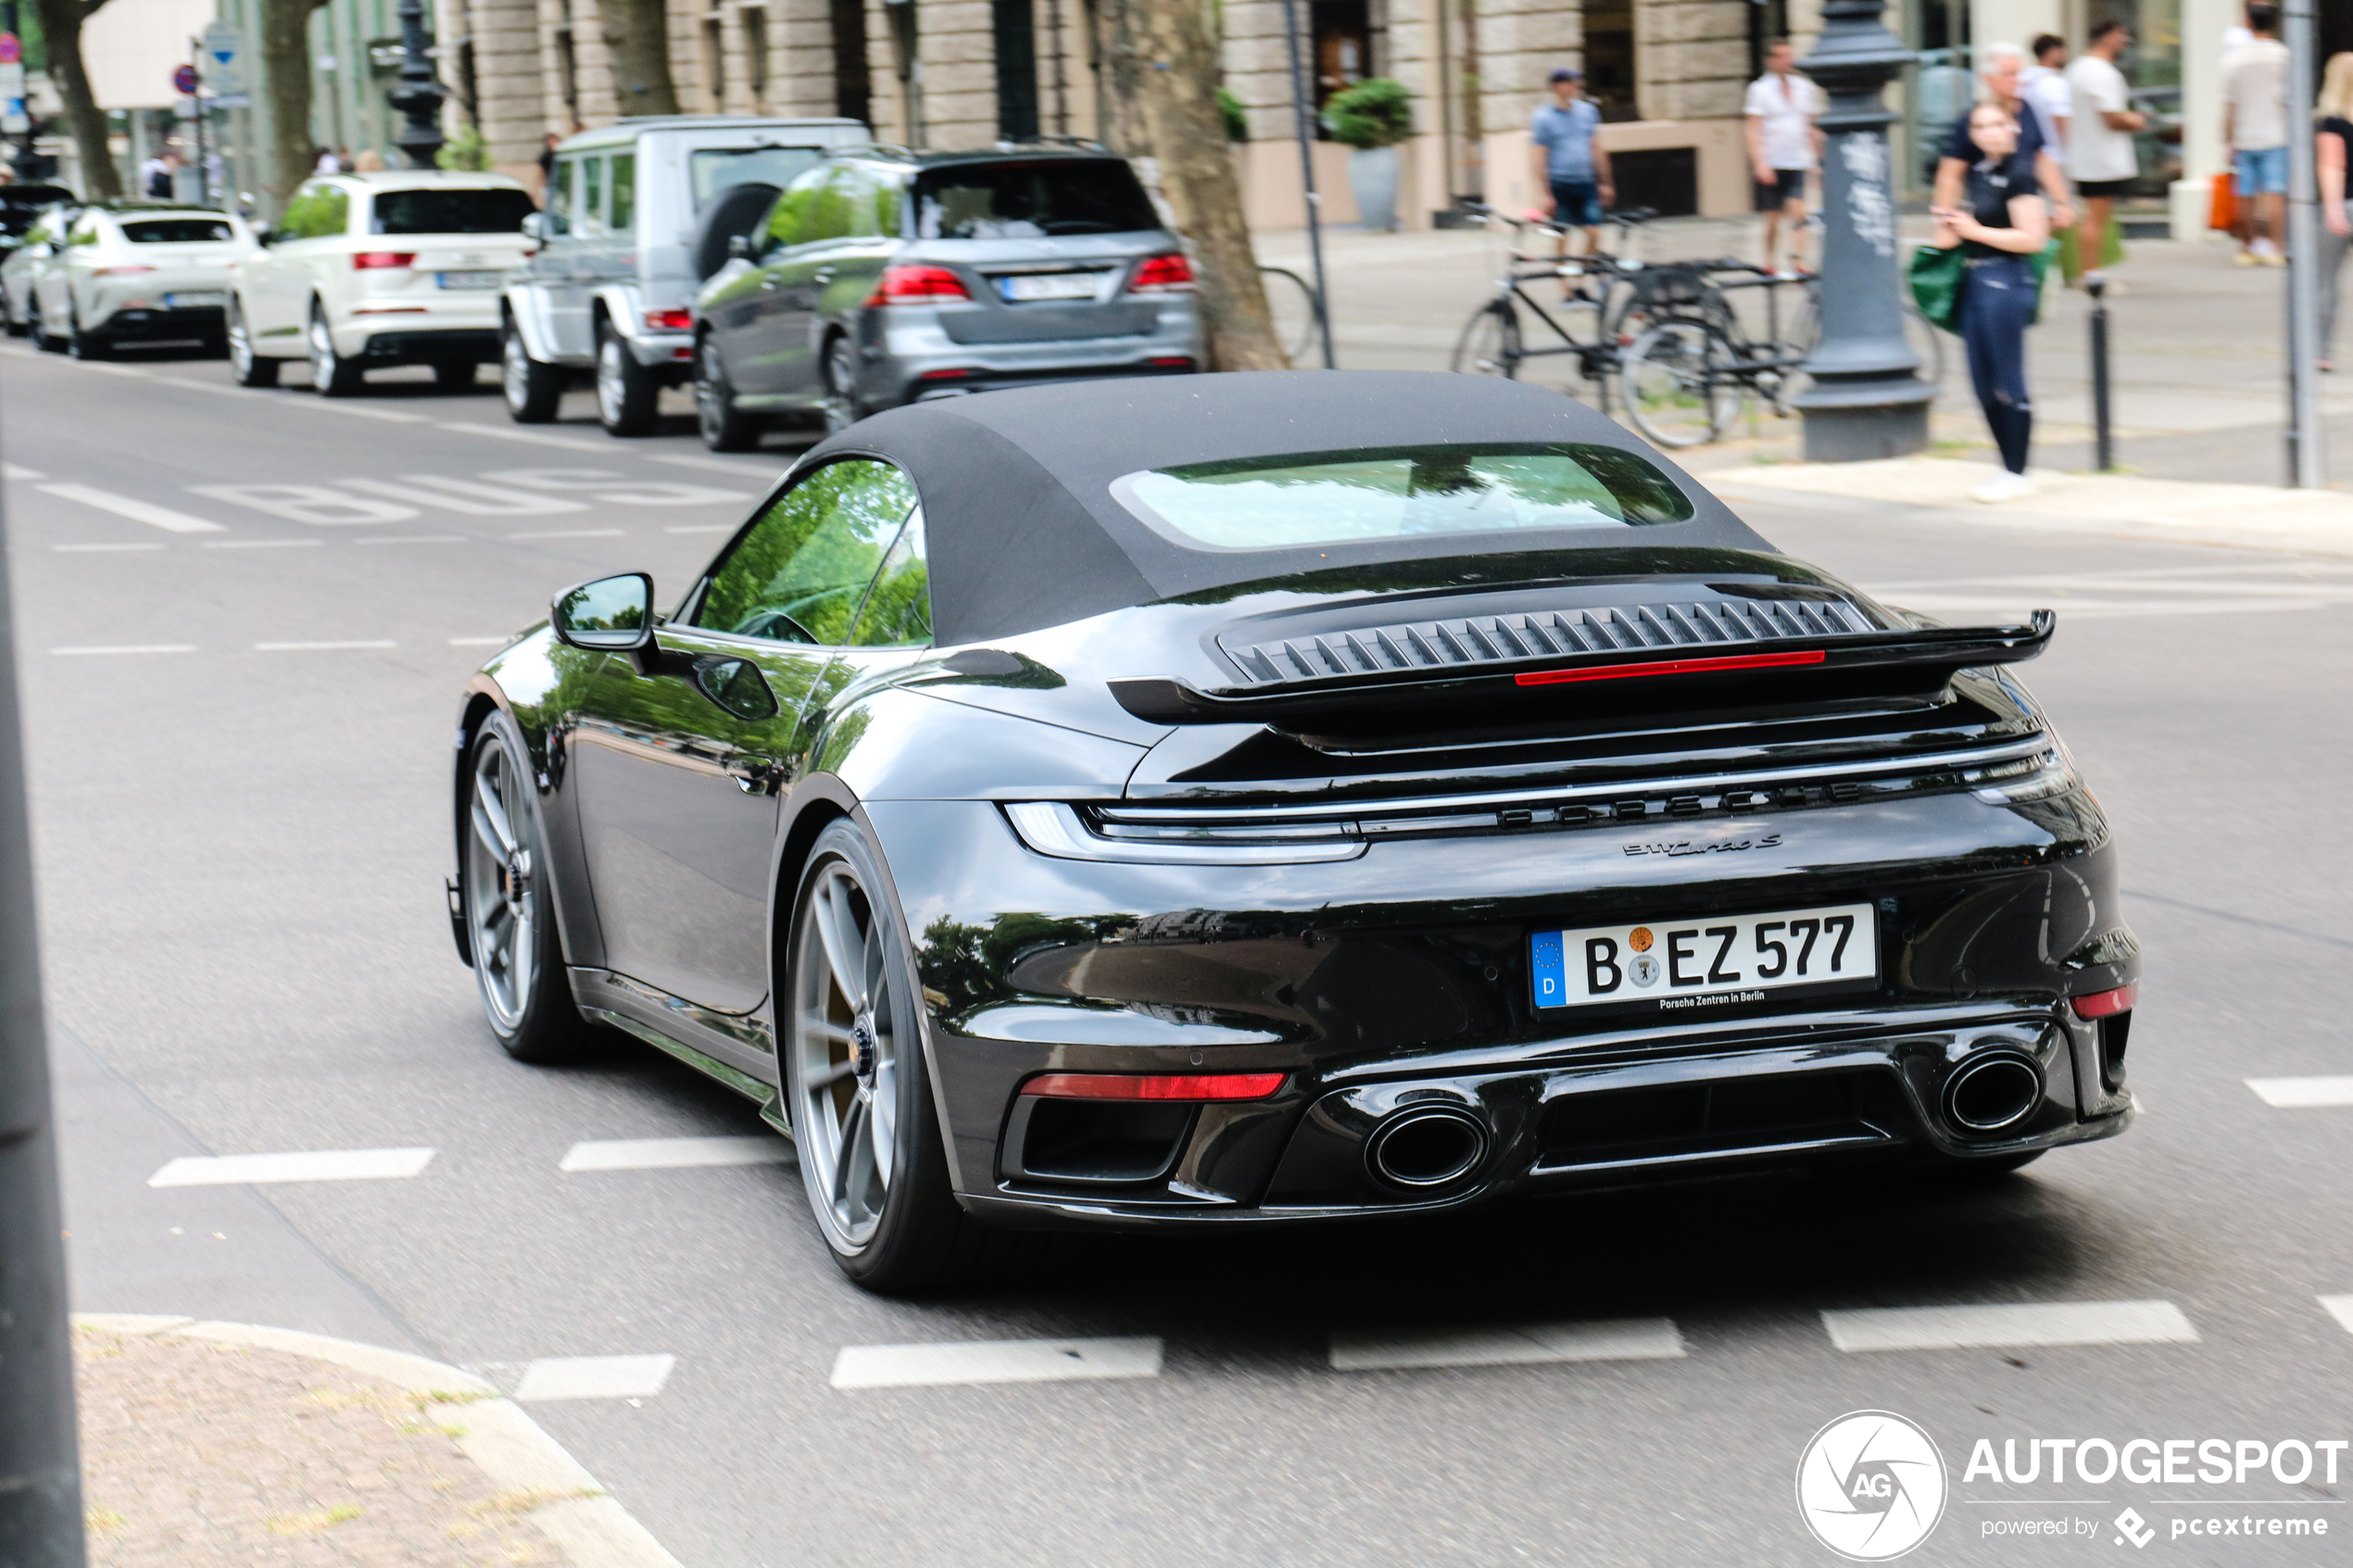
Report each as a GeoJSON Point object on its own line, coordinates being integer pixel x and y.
{"type": "Point", "coordinates": [1936, 285]}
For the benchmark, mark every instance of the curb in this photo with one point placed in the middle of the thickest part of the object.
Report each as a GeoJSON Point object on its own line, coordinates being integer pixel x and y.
{"type": "Point", "coordinates": [594, 1531]}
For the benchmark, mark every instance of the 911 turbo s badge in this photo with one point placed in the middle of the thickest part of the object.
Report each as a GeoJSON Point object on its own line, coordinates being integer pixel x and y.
{"type": "Point", "coordinates": [1689, 847]}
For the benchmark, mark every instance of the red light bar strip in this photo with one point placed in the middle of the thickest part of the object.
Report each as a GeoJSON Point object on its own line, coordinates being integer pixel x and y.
{"type": "Point", "coordinates": [1158, 1085]}
{"type": "Point", "coordinates": [2102, 1004]}
{"type": "Point", "coordinates": [1670, 667]}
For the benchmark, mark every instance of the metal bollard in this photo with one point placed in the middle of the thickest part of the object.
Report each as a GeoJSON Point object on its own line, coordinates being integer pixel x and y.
{"type": "Point", "coordinates": [2103, 437]}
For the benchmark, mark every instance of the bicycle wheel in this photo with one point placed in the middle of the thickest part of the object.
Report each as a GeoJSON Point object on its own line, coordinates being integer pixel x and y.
{"type": "Point", "coordinates": [1680, 383]}
{"type": "Point", "coordinates": [1490, 343]}
{"type": "Point", "coordinates": [1292, 301]}
{"type": "Point", "coordinates": [1926, 342]}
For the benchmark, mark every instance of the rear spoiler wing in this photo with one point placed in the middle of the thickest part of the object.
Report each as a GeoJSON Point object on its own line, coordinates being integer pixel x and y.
{"type": "Point", "coordinates": [1783, 670]}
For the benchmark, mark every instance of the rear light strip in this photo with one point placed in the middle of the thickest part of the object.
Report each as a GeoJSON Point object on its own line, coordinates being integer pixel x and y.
{"type": "Point", "coordinates": [1168, 273]}
{"type": "Point", "coordinates": [1670, 667]}
{"type": "Point", "coordinates": [2105, 1004]}
{"type": "Point", "coordinates": [1155, 1086]}
{"type": "Point", "coordinates": [371, 260]}
{"type": "Point", "coordinates": [669, 321]}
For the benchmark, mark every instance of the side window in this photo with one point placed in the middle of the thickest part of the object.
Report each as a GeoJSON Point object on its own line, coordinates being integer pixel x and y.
{"type": "Point", "coordinates": [846, 206]}
{"type": "Point", "coordinates": [591, 219]}
{"type": "Point", "coordinates": [559, 197]}
{"type": "Point", "coordinates": [294, 222]}
{"type": "Point", "coordinates": [798, 575]}
{"type": "Point", "coordinates": [85, 232]}
{"type": "Point", "coordinates": [624, 192]}
{"type": "Point", "coordinates": [793, 219]}
{"type": "Point", "coordinates": [897, 613]}
{"type": "Point", "coordinates": [334, 212]}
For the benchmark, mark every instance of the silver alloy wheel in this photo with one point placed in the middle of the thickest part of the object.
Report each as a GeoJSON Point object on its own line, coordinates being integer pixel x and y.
{"type": "Point", "coordinates": [501, 883]}
{"type": "Point", "coordinates": [322, 353]}
{"type": "Point", "coordinates": [240, 340]}
{"type": "Point", "coordinates": [841, 382]}
{"type": "Point", "coordinates": [845, 1038]}
{"type": "Point", "coordinates": [710, 389]}
{"type": "Point", "coordinates": [612, 397]}
{"type": "Point", "coordinates": [515, 371]}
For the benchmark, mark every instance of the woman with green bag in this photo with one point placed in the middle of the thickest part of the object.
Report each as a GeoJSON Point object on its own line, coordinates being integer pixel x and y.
{"type": "Point", "coordinates": [2000, 228]}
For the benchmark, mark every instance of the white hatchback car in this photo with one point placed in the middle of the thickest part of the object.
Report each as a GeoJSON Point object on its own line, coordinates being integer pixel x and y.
{"type": "Point", "coordinates": [368, 271]}
{"type": "Point", "coordinates": [134, 273]}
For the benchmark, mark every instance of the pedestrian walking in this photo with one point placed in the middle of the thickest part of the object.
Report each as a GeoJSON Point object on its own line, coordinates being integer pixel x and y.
{"type": "Point", "coordinates": [1784, 148]}
{"type": "Point", "coordinates": [2044, 86]}
{"type": "Point", "coordinates": [2004, 63]}
{"type": "Point", "coordinates": [2001, 222]}
{"type": "Point", "coordinates": [1567, 157]}
{"type": "Point", "coordinates": [2333, 150]}
{"type": "Point", "coordinates": [154, 177]}
{"type": "Point", "coordinates": [2100, 156]}
{"type": "Point", "coordinates": [2255, 128]}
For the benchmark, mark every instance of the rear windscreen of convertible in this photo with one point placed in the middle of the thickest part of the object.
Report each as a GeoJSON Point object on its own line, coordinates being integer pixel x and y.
{"type": "Point", "coordinates": [1391, 492]}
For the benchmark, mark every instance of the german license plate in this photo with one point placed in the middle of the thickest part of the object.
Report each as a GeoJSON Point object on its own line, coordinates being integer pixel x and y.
{"type": "Point", "coordinates": [196, 300]}
{"type": "Point", "coordinates": [482, 280]}
{"type": "Point", "coordinates": [1705, 961]}
{"type": "Point", "coordinates": [1023, 287]}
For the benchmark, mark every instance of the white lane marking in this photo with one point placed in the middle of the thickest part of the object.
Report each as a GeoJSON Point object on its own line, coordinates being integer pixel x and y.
{"type": "Point", "coordinates": [259, 544]}
{"type": "Point", "coordinates": [99, 549]}
{"type": "Point", "coordinates": [702, 528]}
{"type": "Point", "coordinates": [569, 534]}
{"type": "Point", "coordinates": [2341, 1308]}
{"type": "Point", "coordinates": [318, 505]}
{"type": "Point", "coordinates": [1623, 1340]}
{"type": "Point", "coordinates": [532, 436]}
{"type": "Point", "coordinates": [320, 1165]}
{"type": "Point", "coordinates": [995, 1360]}
{"type": "Point", "coordinates": [2303, 1094]}
{"type": "Point", "coordinates": [674, 1154]}
{"type": "Point", "coordinates": [327, 407]}
{"type": "Point", "coordinates": [463, 495]}
{"type": "Point", "coordinates": [594, 1377]}
{"type": "Point", "coordinates": [106, 370]}
{"type": "Point", "coordinates": [17, 470]}
{"type": "Point", "coordinates": [480, 642]}
{"type": "Point", "coordinates": [2023, 1323]}
{"type": "Point", "coordinates": [749, 469]}
{"type": "Point", "coordinates": [131, 647]}
{"type": "Point", "coordinates": [136, 510]}
{"type": "Point", "coordinates": [419, 539]}
{"type": "Point", "coordinates": [322, 647]}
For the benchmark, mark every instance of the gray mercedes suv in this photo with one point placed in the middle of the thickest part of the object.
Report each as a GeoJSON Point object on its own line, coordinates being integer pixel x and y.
{"type": "Point", "coordinates": [884, 276]}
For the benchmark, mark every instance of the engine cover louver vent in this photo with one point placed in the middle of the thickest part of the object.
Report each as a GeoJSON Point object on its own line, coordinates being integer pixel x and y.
{"type": "Point", "coordinates": [1504, 639]}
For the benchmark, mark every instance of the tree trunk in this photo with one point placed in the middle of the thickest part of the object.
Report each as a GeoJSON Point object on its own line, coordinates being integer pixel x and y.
{"type": "Point", "coordinates": [1166, 49]}
{"type": "Point", "coordinates": [285, 72]}
{"type": "Point", "coordinates": [637, 36]}
{"type": "Point", "coordinates": [61, 29]}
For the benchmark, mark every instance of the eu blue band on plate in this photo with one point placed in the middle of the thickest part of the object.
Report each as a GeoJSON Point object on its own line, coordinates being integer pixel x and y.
{"type": "Point", "coordinates": [1544, 954]}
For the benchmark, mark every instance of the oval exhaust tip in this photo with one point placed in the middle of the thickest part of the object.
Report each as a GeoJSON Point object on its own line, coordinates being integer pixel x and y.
{"type": "Point", "coordinates": [1994, 1092]}
{"type": "Point", "coordinates": [1426, 1146]}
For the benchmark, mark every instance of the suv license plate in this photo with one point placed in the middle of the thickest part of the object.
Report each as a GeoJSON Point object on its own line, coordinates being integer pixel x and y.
{"type": "Point", "coordinates": [469, 280]}
{"type": "Point", "coordinates": [1707, 960]}
{"type": "Point", "coordinates": [196, 300]}
{"type": "Point", "coordinates": [1023, 287]}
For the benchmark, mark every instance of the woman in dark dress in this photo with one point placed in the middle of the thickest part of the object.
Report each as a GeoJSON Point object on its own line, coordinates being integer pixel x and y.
{"type": "Point", "coordinates": [2000, 224]}
{"type": "Point", "coordinates": [2333, 156]}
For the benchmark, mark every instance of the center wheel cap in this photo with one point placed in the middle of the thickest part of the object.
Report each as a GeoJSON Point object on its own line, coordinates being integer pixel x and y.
{"type": "Point", "coordinates": [861, 1041]}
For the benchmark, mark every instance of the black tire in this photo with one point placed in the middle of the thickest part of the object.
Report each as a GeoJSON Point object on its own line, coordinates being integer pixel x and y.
{"type": "Point", "coordinates": [43, 338]}
{"type": "Point", "coordinates": [250, 367]}
{"type": "Point", "coordinates": [532, 388]}
{"type": "Point", "coordinates": [526, 993]}
{"type": "Point", "coordinates": [454, 375]}
{"type": "Point", "coordinates": [842, 405]}
{"type": "Point", "coordinates": [897, 1226]}
{"type": "Point", "coordinates": [737, 210]}
{"type": "Point", "coordinates": [1490, 345]}
{"type": "Point", "coordinates": [86, 345]}
{"type": "Point", "coordinates": [724, 427]}
{"type": "Point", "coordinates": [9, 317]}
{"type": "Point", "coordinates": [627, 393]}
{"type": "Point", "coordinates": [332, 375]}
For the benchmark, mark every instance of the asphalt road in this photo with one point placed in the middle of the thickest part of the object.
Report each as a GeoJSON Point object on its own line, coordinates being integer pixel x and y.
{"type": "Point", "coordinates": [242, 833]}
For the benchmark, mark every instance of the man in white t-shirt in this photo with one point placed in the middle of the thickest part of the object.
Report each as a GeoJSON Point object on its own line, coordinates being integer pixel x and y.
{"type": "Point", "coordinates": [2255, 125]}
{"type": "Point", "coordinates": [2100, 159]}
{"type": "Point", "coordinates": [1783, 147]}
{"type": "Point", "coordinates": [2044, 86]}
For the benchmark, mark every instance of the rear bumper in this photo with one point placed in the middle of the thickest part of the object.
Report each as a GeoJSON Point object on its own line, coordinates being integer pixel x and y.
{"type": "Point", "coordinates": [156, 324]}
{"type": "Point", "coordinates": [905, 359]}
{"type": "Point", "coordinates": [425, 345]}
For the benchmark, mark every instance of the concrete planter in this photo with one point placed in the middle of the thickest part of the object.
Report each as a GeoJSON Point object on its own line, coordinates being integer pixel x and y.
{"type": "Point", "coordinates": [1372, 178]}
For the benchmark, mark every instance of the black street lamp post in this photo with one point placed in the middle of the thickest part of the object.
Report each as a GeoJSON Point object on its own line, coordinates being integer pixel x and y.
{"type": "Point", "coordinates": [1865, 401]}
{"type": "Point", "coordinates": [418, 96]}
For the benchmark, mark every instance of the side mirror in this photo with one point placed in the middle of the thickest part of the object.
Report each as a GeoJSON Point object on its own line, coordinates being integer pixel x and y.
{"type": "Point", "coordinates": [609, 615]}
{"type": "Point", "coordinates": [739, 247]}
{"type": "Point", "coordinates": [535, 226]}
{"type": "Point", "coordinates": [263, 234]}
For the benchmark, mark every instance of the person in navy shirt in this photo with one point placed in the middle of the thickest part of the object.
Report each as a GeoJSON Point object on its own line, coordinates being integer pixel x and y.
{"type": "Point", "coordinates": [1568, 160]}
{"type": "Point", "coordinates": [2001, 69]}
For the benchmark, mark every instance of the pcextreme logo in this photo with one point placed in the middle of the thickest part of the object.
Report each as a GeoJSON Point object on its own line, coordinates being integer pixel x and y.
{"type": "Point", "coordinates": [1872, 1485]}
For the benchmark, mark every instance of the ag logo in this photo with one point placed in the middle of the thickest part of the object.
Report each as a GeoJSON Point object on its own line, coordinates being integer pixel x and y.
{"type": "Point", "coordinates": [1872, 1485]}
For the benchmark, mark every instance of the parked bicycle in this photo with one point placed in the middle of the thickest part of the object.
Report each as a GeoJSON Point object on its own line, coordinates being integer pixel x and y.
{"type": "Point", "coordinates": [1585, 325]}
{"type": "Point", "coordinates": [1291, 300]}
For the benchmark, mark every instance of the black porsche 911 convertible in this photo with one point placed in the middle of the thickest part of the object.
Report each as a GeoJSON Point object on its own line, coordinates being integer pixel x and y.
{"type": "Point", "coordinates": [1289, 797]}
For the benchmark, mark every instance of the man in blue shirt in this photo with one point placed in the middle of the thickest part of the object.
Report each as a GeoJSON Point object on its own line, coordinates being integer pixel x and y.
{"type": "Point", "coordinates": [1568, 160]}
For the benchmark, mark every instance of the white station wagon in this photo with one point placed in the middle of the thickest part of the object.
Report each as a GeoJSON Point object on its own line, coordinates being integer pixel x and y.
{"type": "Point", "coordinates": [137, 274]}
{"type": "Point", "coordinates": [365, 271]}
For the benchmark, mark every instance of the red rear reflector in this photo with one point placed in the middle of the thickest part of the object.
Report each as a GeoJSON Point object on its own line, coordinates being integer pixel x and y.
{"type": "Point", "coordinates": [907, 283]}
{"type": "Point", "coordinates": [122, 272]}
{"type": "Point", "coordinates": [1670, 667]}
{"type": "Point", "coordinates": [368, 260]}
{"type": "Point", "coordinates": [1157, 1085]}
{"type": "Point", "coordinates": [670, 320]}
{"type": "Point", "coordinates": [947, 375]}
{"type": "Point", "coordinates": [1163, 274]}
{"type": "Point", "coordinates": [2103, 1004]}
{"type": "Point", "coordinates": [1171, 362]}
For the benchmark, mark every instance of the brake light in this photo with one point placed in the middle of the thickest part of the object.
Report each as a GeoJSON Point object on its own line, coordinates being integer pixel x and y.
{"type": "Point", "coordinates": [1171, 362]}
{"type": "Point", "coordinates": [1670, 667]}
{"type": "Point", "coordinates": [1154, 1086]}
{"type": "Point", "coordinates": [1163, 274]}
{"type": "Point", "coordinates": [670, 320]}
{"type": "Point", "coordinates": [2105, 1004]}
{"type": "Point", "coordinates": [370, 260]}
{"type": "Point", "coordinates": [122, 272]}
{"type": "Point", "coordinates": [947, 375]}
{"type": "Point", "coordinates": [907, 283]}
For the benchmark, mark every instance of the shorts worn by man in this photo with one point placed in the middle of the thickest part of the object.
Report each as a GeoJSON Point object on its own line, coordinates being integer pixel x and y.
{"type": "Point", "coordinates": [2256, 121]}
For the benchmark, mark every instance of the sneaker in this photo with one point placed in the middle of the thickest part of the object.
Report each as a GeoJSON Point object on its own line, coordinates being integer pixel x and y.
{"type": "Point", "coordinates": [2273, 258]}
{"type": "Point", "coordinates": [2243, 258]}
{"type": "Point", "coordinates": [2264, 247]}
{"type": "Point", "coordinates": [2003, 487]}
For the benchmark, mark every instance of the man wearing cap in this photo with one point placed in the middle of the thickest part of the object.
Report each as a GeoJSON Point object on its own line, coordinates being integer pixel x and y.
{"type": "Point", "coordinates": [1570, 165]}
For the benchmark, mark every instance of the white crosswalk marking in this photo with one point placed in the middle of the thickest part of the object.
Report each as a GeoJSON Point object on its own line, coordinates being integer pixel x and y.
{"type": "Point", "coordinates": [127, 647]}
{"type": "Point", "coordinates": [995, 1360]}
{"type": "Point", "coordinates": [318, 1165]}
{"type": "Point", "coordinates": [17, 470]}
{"type": "Point", "coordinates": [594, 1377]}
{"type": "Point", "coordinates": [676, 1154]}
{"type": "Point", "coordinates": [2023, 1323]}
{"type": "Point", "coordinates": [463, 495]}
{"type": "Point", "coordinates": [1623, 1340]}
{"type": "Point", "coordinates": [131, 507]}
{"type": "Point", "coordinates": [2303, 1094]}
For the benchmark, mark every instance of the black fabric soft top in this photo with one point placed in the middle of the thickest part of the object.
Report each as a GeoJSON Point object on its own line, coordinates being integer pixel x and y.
{"type": "Point", "coordinates": [1024, 532]}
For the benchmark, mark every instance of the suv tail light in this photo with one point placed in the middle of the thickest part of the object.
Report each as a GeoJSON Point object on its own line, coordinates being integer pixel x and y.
{"type": "Point", "coordinates": [1163, 274]}
{"type": "Point", "coordinates": [122, 272]}
{"type": "Point", "coordinates": [369, 261]}
{"type": "Point", "coordinates": [670, 320]}
{"type": "Point", "coordinates": [907, 283]}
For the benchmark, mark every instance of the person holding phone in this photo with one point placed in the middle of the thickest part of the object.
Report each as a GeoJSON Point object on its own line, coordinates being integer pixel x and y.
{"type": "Point", "coordinates": [2001, 222]}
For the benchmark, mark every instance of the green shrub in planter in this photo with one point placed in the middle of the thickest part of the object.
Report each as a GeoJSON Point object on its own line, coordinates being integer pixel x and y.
{"type": "Point", "coordinates": [1230, 108]}
{"type": "Point", "coordinates": [1376, 112]}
